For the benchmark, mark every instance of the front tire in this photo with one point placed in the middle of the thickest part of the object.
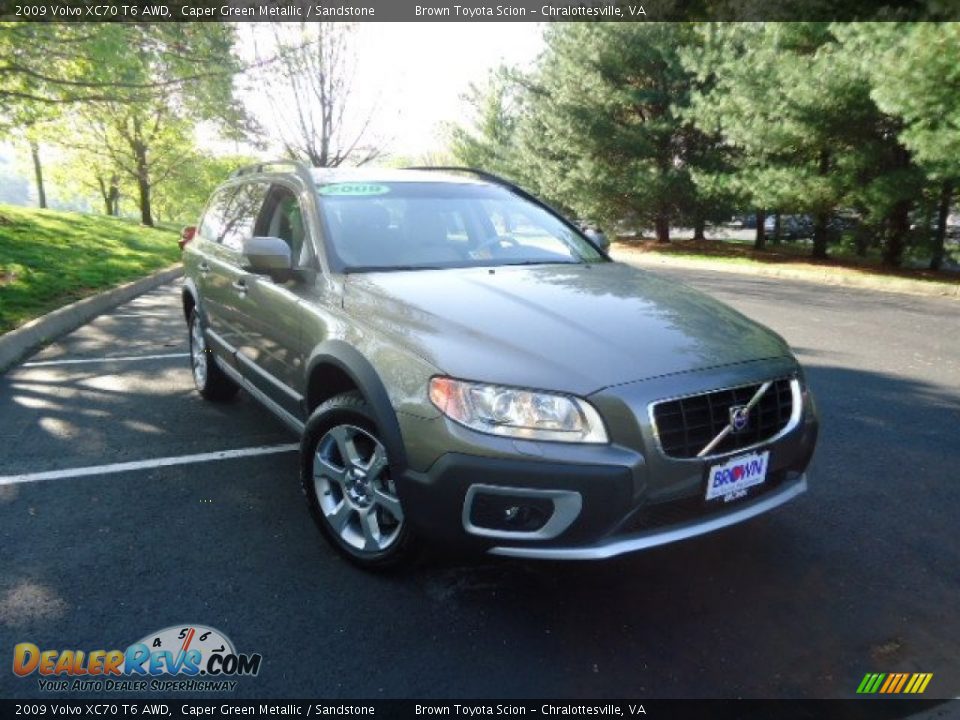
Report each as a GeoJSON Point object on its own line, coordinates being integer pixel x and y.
{"type": "Point", "coordinates": [345, 475]}
{"type": "Point", "coordinates": [210, 380]}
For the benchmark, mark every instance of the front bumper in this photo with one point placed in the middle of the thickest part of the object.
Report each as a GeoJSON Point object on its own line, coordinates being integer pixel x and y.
{"type": "Point", "coordinates": [611, 547]}
{"type": "Point", "coordinates": [609, 499]}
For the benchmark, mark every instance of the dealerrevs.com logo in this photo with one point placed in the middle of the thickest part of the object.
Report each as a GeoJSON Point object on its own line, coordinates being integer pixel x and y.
{"type": "Point", "coordinates": [187, 658]}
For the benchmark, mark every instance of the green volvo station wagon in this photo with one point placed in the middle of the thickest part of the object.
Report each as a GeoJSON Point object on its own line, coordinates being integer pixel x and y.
{"type": "Point", "coordinates": [466, 368]}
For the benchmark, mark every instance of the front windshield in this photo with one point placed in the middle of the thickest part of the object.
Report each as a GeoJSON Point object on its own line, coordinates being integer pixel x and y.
{"type": "Point", "coordinates": [404, 225]}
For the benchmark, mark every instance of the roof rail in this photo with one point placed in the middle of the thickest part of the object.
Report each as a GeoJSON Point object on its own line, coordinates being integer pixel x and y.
{"type": "Point", "coordinates": [503, 182]}
{"type": "Point", "coordinates": [299, 168]}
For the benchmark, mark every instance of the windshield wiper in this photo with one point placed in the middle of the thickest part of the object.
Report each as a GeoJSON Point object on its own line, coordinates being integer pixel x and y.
{"type": "Point", "coordinates": [389, 268]}
{"type": "Point", "coordinates": [538, 262]}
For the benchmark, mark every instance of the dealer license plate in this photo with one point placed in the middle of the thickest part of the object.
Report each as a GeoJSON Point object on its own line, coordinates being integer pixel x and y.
{"type": "Point", "coordinates": [732, 479]}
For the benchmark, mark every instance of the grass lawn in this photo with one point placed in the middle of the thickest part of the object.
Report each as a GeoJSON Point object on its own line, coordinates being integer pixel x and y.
{"type": "Point", "coordinates": [49, 259]}
{"type": "Point", "coordinates": [788, 255]}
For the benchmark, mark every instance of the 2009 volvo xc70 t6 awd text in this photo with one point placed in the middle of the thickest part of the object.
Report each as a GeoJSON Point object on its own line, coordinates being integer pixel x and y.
{"type": "Point", "coordinates": [466, 367]}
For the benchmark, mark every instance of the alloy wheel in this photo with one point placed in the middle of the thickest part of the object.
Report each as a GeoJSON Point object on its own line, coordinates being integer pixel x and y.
{"type": "Point", "coordinates": [356, 495]}
{"type": "Point", "coordinates": [198, 354]}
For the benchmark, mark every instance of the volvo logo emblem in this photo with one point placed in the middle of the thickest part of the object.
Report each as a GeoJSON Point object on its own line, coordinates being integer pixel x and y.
{"type": "Point", "coordinates": [739, 417]}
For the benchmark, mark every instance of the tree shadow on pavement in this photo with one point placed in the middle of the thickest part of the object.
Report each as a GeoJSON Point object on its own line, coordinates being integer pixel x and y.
{"type": "Point", "coordinates": [859, 575]}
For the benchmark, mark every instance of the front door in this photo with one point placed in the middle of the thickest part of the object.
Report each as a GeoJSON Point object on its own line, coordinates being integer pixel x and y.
{"type": "Point", "coordinates": [268, 350]}
{"type": "Point", "coordinates": [226, 283]}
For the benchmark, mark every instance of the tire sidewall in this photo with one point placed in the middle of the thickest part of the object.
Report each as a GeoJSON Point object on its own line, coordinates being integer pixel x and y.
{"type": "Point", "coordinates": [217, 386]}
{"type": "Point", "coordinates": [195, 321]}
{"type": "Point", "coordinates": [352, 410]}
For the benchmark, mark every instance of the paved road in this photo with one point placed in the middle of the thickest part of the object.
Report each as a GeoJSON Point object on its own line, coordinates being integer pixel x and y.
{"type": "Point", "coordinates": [861, 574]}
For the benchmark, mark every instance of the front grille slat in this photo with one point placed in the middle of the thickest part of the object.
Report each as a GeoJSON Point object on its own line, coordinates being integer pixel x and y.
{"type": "Point", "coordinates": [686, 425]}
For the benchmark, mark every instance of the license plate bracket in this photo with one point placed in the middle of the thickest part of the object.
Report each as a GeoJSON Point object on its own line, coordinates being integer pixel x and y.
{"type": "Point", "coordinates": [733, 478]}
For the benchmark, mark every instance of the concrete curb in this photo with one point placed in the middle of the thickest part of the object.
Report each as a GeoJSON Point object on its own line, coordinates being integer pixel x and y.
{"type": "Point", "coordinates": [27, 339]}
{"type": "Point", "coordinates": [826, 276]}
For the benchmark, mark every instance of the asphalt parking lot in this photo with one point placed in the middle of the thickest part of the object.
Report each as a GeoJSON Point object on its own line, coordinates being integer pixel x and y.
{"type": "Point", "coordinates": [862, 574]}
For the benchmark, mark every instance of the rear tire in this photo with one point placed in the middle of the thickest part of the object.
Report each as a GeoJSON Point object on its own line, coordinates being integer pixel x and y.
{"type": "Point", "coordinates": [345, 476]}
{"type": "Point", "coordinates": [211, 382]}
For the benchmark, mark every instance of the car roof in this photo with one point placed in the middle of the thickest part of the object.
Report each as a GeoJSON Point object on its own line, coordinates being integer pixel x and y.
{"type": "Point", "coordinates": [363, 174]}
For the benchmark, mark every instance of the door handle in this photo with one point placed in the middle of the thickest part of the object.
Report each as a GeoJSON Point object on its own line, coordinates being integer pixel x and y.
{"type": "Point", "coordinates": [203, 268]}
{"type": "Point", "coordinates": [240, 286]}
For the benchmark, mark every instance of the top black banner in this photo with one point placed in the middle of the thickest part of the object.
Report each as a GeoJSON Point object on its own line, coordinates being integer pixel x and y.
{"type": "Point", "coordinates": [475, 10]}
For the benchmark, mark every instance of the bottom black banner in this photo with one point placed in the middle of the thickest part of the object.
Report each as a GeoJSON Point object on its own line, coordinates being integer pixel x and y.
{"type": "Point", "coordinates": [694, 709]}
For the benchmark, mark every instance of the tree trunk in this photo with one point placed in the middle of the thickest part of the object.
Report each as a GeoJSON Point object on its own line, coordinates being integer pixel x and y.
{"type": "Point", "coordinates": [38, 173]}
{"type": "Point", "coordinates": [943, 211]}
{"type": "Point", "coordinates": [110, 194]}
{"type": "Point", "coordinates": [114, 195]}
{"type": "Point", "coordinates": [105, 194]}
{"type": "Point", "coordinates": [896, 240]}
{"type": "Point", "coordinates": [820, 235]}
{"type": "Point", "coordinates": [663, 229]}
{"type": "Point", "coordinates": [143, 184]}
{"type": "Point", "coordinates": [861, 238]}
{"type": "Point", "coordinates": [760, 242]}
{"type": "Point", "coordinates": [699, 228]}
{"type": "Point", "coordinates": [899, 217]}
{"type": "Point", "coordinates": [823, 217]}
{"type": "Point", "coordinates": [777, 228]}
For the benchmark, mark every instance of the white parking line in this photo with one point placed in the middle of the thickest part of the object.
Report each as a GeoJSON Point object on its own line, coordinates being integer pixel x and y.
{"type": "Point", "coordinates": [127, 358]}
{"type": "Point", "coordinates": [165, 315]}
{"type": "Point", "coordinates": [145, 464]}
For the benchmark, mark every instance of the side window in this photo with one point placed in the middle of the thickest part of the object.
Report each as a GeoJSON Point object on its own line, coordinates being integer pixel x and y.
{"type": "Point", "coordinates": [283, 218]}
{"type": "Point", "coordinates": [241, 215]}
{"type": "Point", "coordinates": [211, 227]}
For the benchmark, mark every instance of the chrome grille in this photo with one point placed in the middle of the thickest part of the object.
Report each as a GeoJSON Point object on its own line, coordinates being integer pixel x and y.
{"type": "Point", "coordinates": [685, 426]}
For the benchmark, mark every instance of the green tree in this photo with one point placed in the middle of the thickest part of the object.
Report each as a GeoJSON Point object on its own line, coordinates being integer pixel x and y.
{"type": "Point", "coordinates": [64, 63]}
{"type": "Point", "coordinates": [605, 133]}
{"type": "Point", "coordinates": [794, 102]}
{"type": "Point", "coordinates": [139, 88]}
{"type": "Point", "coordinates": [915, 78]}
{"type": "Point", "coordinates": [30, 123]}
{"type": "Point", "coordinates": [183, 194]}
{"type": "Point", "coordinates": [489, 142]}
{"type": "Point", "coordinates": [83, 174]}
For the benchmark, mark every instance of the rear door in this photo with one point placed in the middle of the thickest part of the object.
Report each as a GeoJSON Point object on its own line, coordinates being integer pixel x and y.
{"type": "Point", "coordinates": [199, 260]}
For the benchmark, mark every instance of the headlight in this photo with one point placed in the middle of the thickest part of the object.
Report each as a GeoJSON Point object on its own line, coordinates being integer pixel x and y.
{"type": "Point", "coordinates": [517, 413]}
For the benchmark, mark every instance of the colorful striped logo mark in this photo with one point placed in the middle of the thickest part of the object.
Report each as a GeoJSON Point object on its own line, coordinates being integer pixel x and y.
{"type": "Point", "coordinates": [894, 683]}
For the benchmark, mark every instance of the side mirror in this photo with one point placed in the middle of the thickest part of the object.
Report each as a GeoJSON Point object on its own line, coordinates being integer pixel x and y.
{"type": "Point", "coordinates": [267, 256]}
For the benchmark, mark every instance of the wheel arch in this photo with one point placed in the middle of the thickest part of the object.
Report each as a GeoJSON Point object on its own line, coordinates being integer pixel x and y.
{"type": "Point", "coordinates": [190, 298]}
{"type": "Point", "coordinates": [337, 362]}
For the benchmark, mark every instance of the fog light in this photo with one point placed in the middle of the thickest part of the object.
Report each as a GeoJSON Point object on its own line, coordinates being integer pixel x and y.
{"type": "Point", "coordinates": [511, 513]}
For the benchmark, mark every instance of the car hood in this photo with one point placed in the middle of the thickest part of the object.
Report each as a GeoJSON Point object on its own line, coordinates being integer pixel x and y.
{"type": "Point", "coordinates": [572, 328]}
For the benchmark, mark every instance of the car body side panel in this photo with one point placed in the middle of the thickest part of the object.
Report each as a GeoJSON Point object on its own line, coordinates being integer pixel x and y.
{"type": "Point", "coordinates": [404, 373]}
{"type": "Point", "coordinates": [347, 359]}
{"type": "Point", "coordinates": [270, 352]}
{"type": "Point", "coordinates": [221, 300]}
